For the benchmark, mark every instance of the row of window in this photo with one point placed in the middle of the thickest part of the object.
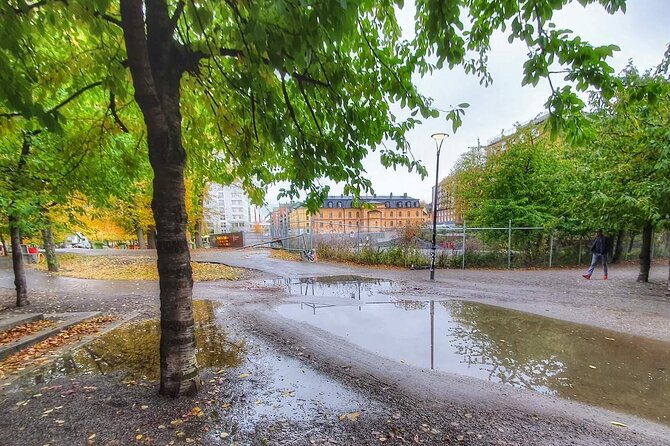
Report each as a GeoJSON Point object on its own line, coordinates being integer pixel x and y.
{"type": "Point", "coordinates": [388, 224]}
{"type": "Point", "coordinates": [398, 204]}
{"type": "Point", "coordinates": [339, 214]}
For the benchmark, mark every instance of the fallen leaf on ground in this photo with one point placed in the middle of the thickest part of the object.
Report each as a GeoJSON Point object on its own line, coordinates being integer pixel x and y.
{"type": "Point", "coordinates": [351, 416]}
{"type": "Point", "coordinates": [617, 424]}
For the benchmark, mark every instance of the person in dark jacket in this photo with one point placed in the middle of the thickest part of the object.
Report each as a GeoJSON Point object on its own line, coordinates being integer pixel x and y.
{"type": "Point", "coordinates": [600, 249]}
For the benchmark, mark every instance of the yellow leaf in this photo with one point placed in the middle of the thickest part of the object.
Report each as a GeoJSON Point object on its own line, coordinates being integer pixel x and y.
{"type": "Point", "coordinates": [617, 424]}
{"type": "Point", "coordinates": [139, 436]}
{"type": "Point", "coordinates": [351, 416]}
{"type": "Point", "coordinates": [243, 375]}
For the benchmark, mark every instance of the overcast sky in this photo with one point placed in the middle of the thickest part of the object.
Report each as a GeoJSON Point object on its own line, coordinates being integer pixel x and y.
{"type": "Point", "coordinates": [642, 34]}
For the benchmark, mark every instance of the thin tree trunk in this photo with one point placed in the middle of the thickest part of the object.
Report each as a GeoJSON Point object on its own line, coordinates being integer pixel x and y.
{"type": "Point", "coordinates": [156, 67]}
{"type": "Point", "coordinates": [4, 245]}
{"type": "Point", "coordinates": [198, 234]}
{"type": "Point", "coordinates": [140, 236]}
{"type": "Point", "coordinates": [618, 248]}
{"type": "Point", "coordinates": [630, 243]}
{"type": "Point", "coordinates": [151, 238]}
{"type": "Point", "coordinates": [667, 290]}
{"type": "Point", "coordinates": [17, 263]}
{"type": "Point", "coordinates": [50, 249]}
{"type": "Point", "coordinates": [645, 253]}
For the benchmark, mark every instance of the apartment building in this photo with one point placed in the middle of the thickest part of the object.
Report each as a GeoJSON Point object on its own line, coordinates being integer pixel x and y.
{"type": "Point", "coordinates": [229, 209]}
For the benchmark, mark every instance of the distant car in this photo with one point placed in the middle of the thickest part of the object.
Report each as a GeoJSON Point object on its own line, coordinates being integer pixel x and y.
{"type": "Point", "coordinates": [78, 240]}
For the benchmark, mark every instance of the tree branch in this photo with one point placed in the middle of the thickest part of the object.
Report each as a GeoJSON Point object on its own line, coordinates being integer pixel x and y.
{"type": "Point", "coordinates": [66, 101]}
{"type": "Point", "coordinates": [177, 14]}
{"type": "Point", "coordinates": [112, 109]}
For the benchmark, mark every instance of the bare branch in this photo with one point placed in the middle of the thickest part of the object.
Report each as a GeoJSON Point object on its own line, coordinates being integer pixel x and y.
{"type": "Point", "coordinates": [112, 109]}
{"type": "Point", "coordinates": [54, 109]}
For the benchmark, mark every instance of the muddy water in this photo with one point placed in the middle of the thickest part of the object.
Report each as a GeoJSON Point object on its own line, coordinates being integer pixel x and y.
{"type": "Point", "coordinates": [133, 349]}
{"type": "Point", "coordinates": [598, 367]}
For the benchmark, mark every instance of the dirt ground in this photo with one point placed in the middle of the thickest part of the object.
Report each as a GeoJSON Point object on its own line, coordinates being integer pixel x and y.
{"type": "Point", "coordinates": [297, 384]}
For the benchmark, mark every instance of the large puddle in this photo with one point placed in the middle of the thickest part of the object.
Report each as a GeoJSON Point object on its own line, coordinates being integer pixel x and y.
{"type": "Point", "coordinates": [338, 290]}
{"type": "Point", "coordinates": [598, 367]}
{"type": "Point", "coordinates": [133, 349]}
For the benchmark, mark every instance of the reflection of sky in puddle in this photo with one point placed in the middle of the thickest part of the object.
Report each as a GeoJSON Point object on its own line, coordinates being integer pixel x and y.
{"type": "Point", "coordinates": [604, 368]}
{"type": "Point", "coordinates": [133, 349]}
{"type": "Point", "coordinates": [353, 288]}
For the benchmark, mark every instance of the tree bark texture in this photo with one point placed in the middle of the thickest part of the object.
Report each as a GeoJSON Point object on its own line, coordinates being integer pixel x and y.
{"type": "Point", "coordinates": [140, 236]}
{"type": "Point", "coordinates": [17, 263]}
{"type": "Point", "coordinates": [618, 247]}
{"type": "Point", "coordinates": [156, 68]}
{"type": "Point", "coordinates": [645, 252]}
{"type": "Point", "coordinates": [50, 249]}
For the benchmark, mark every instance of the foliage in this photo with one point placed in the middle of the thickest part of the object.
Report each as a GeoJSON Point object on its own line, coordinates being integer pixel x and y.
{"type": "Point", "coordinates": [134, 268]}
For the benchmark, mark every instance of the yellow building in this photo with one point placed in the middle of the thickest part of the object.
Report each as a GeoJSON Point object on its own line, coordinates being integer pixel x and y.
{"type": "Point", "coordinates": [299, 220]}
{"type": "Point", "coordinates": [374, 214]}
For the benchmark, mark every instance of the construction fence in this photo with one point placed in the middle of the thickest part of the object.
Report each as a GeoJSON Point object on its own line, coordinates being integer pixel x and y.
{"type": "Point", "coordinates": [461, 247]}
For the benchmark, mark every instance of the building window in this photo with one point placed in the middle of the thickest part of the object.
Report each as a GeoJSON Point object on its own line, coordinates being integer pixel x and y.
{"type": "Point", "coordinates": [339, 215]}
{"type": "Point", "coordinates": [339, 204]}
{"type": "Point", "coordinates": [330, 215]}
{"type": "Point", "coordinates": [391, 223]}
{"type": "Point", "coordinates": [407, 204]}
{"type": "Point", "coordinates": [417, 213]}
{"type": "Point", "coordinates": [399, 204]}
{"type": "Point", "coordinates": [358, 214]}
{"type": "Point", "coordinates": [399, 213]}
{"type": "Point", "coordinates": [349, 214]}
{"type": "Point", "coordinates": [388, 204]}
{"type": "Point", "coordinates": [330, 204]}
{"type": "Point", "coordinates": [391, 214]}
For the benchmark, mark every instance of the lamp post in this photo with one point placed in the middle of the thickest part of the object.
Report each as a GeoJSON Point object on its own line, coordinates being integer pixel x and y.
{"type": "Point", "coordinates": [439, 139]}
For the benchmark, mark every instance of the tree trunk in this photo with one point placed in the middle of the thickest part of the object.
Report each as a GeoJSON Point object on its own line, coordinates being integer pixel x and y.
{"type": "Point", "coordinates": [667, 290]}
{"type": "Point", "coordinates": [645, 253]}
{"type": "Point", "coordinates": [630, 243]}
{"type": "Point", "coordinates": [50, 249]}
{"type": "Point", "coordinates": [618, 248]}
{"type": "Point", "coordinates": [198, 234]}
{"type": "Point", "coordinates": [151, 238]}
{"type": "Point", "coordinates": [156, 67]}
{"type": "Point", "coordinates": [17, 263]}
{"type": "Point", "coordinates": [140, 236]}
{"type": "Point", "coordinates": [4, 245]}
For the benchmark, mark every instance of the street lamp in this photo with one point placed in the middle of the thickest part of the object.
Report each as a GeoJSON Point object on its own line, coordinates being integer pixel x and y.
{"type": "Point", "coordinates": [439, 139]}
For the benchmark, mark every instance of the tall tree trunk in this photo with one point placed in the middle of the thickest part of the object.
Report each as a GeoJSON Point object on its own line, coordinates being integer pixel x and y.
{"type": "Point", "coordinates": [618, 248]}
{"type": "Point", "coordinates": [645, 253]}
{"type": "Point", "coordinates": [50, 249]}
{"type": "Point", "coordinates": [630, 243]}
{"type": "Point", "coordinates": [4, 245]}
{"type": "Point", "coordinates": [151, 238]}
{"type": "Point", "coordinates": [140, 236]}
{"type": "Point", "coordinates": [17, 263]}
{"type": "Point", "coordinates": [156, 65]}
{"type": "Point", "coordinates": [667, 290]}
{"type": "Point", "coordinates": [198, 234]}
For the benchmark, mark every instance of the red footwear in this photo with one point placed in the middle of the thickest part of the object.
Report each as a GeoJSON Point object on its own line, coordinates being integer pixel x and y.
{"type": "Point", "coordinates": [605, 278]}
{"type": "Point", "coordinates": [586, 276]}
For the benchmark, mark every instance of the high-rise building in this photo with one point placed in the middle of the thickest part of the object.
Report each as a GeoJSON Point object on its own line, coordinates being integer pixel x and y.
{"type": "Point", "coordinates": [229, 209]}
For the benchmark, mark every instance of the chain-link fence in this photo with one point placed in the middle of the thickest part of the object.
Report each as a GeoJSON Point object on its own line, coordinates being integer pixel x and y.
{"type": "Point", "coordinates": [463, 246]}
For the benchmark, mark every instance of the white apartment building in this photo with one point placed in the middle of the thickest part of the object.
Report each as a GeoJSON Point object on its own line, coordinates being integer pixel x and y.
{"type": "Point", "coordinates": [229, 209]}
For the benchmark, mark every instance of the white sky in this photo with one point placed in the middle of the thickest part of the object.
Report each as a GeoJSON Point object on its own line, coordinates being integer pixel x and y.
{"type": "Point", "coordinates": [643, 34]}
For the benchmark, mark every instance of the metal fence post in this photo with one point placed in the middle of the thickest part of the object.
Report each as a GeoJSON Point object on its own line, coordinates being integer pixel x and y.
{"type": "Point", "coordinates": [463, 263]}
{"type": "Point", "coordinates": [509, 245]}
{"type": "Point", "coordinates": [551, 248]}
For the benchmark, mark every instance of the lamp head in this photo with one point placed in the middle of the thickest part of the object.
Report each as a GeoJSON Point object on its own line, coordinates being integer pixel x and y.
{"type": "Point", "coordinates": [439, 136]}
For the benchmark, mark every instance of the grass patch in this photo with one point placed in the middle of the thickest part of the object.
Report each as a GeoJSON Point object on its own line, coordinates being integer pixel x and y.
{"type": "Point", "coordinates": [133, 268]}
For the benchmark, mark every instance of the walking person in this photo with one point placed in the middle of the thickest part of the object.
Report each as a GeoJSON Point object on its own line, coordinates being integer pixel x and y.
{"type": "Point", "coordinates": [600, 250]}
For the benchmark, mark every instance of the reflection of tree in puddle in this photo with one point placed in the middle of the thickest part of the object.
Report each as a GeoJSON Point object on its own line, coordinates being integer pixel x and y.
{"type": "Point", "coordinates": [512, 348]}
{"type": "Point", "coordinates": [594, 366]}
{"type": "Point", "coordinates": [134, 348]}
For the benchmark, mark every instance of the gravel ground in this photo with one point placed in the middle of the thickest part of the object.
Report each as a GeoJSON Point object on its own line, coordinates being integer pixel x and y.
{"type": "Point", "coordinates": [296, 381]}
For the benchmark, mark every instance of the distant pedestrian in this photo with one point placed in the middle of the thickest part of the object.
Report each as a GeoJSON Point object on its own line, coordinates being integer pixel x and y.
{"type": "Point", "coordinates": [600, 249]}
